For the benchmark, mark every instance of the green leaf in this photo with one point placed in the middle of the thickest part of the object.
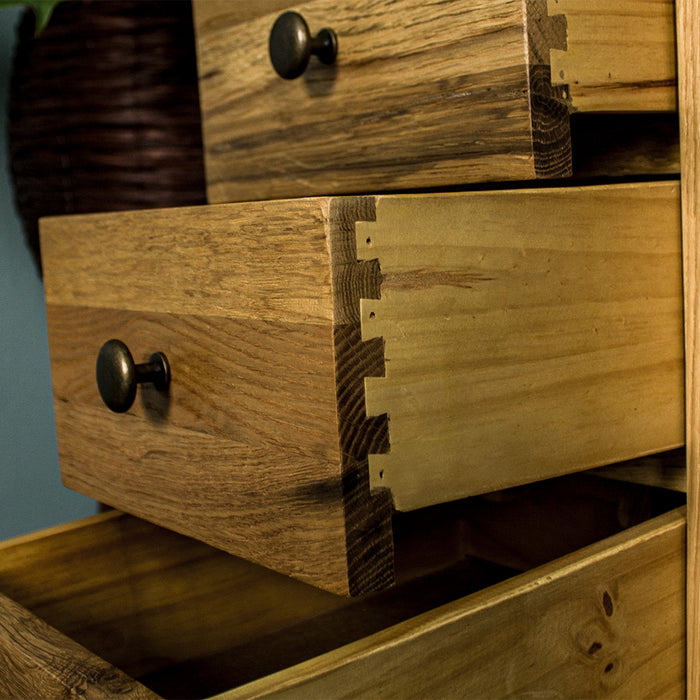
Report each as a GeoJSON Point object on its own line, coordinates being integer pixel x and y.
{"type": "Point", "coordinates": [42, 10]}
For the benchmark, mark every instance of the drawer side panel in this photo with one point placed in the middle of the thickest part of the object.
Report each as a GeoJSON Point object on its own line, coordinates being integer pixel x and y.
{"type": "Point", "coordinates": [527, 334]}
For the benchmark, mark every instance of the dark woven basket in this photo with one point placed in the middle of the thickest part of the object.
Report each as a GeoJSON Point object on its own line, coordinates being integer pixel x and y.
{"type": "Point", "coordinates": [104, 111]}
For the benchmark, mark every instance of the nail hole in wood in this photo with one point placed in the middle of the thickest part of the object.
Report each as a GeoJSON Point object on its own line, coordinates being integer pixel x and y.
{"type": "Point", "coordinates": [596, 646]}
{"type": "Point", "coordinates": [607, 604]}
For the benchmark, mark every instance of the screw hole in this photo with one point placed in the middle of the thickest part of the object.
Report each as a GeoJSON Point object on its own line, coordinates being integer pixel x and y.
{"type": "Point", "coordinates": [368, 241]}
{"type": "Point", "coordinates": [371, 314]}
{"type": "Point", "coordinates": [381, 474]}
{"type": "Point", "coordinates": [609, 668]}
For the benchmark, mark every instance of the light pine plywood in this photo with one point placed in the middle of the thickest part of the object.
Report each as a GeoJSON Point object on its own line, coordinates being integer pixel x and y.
{"type": "Point", "coordinates": [527, 334]}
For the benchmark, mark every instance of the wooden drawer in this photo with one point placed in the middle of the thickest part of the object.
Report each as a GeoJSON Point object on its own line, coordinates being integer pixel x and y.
{"type": "Point", "coordinates": [149, 613]}
{"type": "Point", "coordinates": [421, 95]}
{"type": "Point", "coordinates": [334, 358]}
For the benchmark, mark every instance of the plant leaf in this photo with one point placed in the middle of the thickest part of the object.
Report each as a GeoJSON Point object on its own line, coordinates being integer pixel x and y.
{"type": "Point", "coordinates": [42, 10]}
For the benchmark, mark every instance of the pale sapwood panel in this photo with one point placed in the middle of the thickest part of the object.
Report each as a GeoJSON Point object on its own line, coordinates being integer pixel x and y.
{"type": "Point", "coordinates": [578, 627]}
{"type": "Point", "coordinates": [264, 260]}
{"type": "Point", "coordinates": [143, 597]}
{"type": "Point", "coordinates": [527, 334]}
{"type": "Point", "coordinates": [620, 55]}
{"type": "Point", "coordinates": [36, 661]}
{"type": "Point", "coordinates": [420, 95]}
{"type": "Point", "coordinates": [688, 27]}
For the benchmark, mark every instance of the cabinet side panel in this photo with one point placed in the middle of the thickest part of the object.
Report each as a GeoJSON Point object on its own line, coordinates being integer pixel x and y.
{"type": "Point", "coordinates": [688, 24]}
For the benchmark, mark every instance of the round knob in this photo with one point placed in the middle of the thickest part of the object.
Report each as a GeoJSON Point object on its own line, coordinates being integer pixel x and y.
{"type": "Point", "coordinates": [117, 375]}
{"type": "Point", "coordinates": [291, 45]}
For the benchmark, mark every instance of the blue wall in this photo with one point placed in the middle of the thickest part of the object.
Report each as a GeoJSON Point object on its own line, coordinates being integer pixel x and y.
{"type": "Point", "coordinates": [31, 493]}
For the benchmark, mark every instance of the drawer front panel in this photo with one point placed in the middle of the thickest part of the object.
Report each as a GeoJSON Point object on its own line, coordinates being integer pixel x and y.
{"type": "Point", "coordinates": [242, 452]}
{"type": "Point", "coordinates": [607, 619]}
{"type": "Point", "coordinates": [420, 95]}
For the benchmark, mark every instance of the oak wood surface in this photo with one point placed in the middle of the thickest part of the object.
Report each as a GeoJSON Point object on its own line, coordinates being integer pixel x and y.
{"type": "Point", "coordinates": [420, 95]}
{"type": "Point", "coordinates": [243, 451]}
{"type": "Point", "coordinates": [577, 627]}
{"type": "Point", "coordinates": [527, 334]}
{"type": "Point", "coordinates": [620, 56]}
{"type": "Point", "coordinates": [36, 661]}
{"type": "Point", "coordinates": [249, 262]}
{"type": "Point", "coordinates": [143, 598]}
{"type": "Point", "coordinates": [367, 515]}
{"type": "Point", "coordinates": [688, 29]}
{"type": "Point", "coordinates": [260, 445]}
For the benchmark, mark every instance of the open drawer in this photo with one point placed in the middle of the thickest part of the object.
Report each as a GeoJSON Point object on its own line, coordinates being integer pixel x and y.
{"type": "Point", "coordinates": [421, 95]}
{"type": "Point", "coordinates": [89, 607]}
{"type": "Point", "coordinates": [334, 359]}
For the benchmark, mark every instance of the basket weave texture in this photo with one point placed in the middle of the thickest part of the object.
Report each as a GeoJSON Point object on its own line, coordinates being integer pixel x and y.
{"type": "Point", "coordinates": [104, 111]}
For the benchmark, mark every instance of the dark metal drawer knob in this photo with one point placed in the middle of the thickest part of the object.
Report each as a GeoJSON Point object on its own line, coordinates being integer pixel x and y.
{"type": "Point", "coordinates": [118, 375]}
{"type": "Point", "coordinates": [291, 45]}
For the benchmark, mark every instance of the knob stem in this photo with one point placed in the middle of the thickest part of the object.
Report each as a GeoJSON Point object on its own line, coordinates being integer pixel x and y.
{"type": "Point", "coordinates": [156, 372]}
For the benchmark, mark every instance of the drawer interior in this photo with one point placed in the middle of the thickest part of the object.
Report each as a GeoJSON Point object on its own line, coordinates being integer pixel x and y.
{"type": "Point", "coordinates": [188, 620]}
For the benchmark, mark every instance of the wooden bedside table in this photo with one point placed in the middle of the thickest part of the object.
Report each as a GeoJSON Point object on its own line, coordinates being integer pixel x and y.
{"type": "Point", "coordinates": [578, 625]}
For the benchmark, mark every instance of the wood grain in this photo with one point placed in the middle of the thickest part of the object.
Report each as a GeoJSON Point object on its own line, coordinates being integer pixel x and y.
{"type": "Point", "coordinates": [578, 627]}
{"type": "Point", "coordinates": [239, 298]}
{"type": "Point", "coordinates": [248, 262]}
{"type": "Point", "coordinates": [368, 525]}
{"type": "Point", "coordinates": [36, 661]}
{"type": "Point", "coordinates": [688, 28]}
{"type": "Point", "coordinates": [260, 446]}
{"type": "Point", "coordinates": [549, 113]}
{"type": "Point", "coordinates": [527, 334]}
{"type": "Point", "coordinates": [452, 75]}
{"type": "Point", "coordinates": [620, 56]}
{"type": "Point", "coordinates": [144, 598]}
